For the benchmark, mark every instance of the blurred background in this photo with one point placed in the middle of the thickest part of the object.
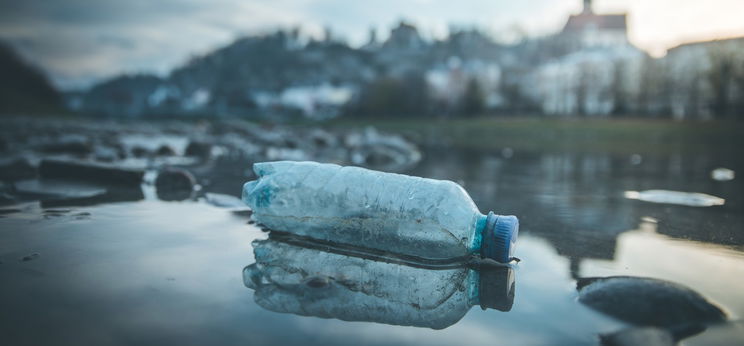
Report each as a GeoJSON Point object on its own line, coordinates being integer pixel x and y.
{"type": "Point", "coordinates": [293, 60]}
{"type": "Point", "coordinates": [613, 128]}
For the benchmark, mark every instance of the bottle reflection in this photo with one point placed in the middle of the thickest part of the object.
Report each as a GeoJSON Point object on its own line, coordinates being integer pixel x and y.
{"type": "Point", "coordinates": [302, 280]}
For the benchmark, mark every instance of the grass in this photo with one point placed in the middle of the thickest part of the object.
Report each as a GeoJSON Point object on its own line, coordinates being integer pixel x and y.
{"type": "Point", "coordinates": [627, 135]}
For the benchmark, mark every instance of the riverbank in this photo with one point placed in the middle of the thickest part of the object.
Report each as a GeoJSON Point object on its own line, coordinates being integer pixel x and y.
{"type": "Point", "coordinates": [632, 135]}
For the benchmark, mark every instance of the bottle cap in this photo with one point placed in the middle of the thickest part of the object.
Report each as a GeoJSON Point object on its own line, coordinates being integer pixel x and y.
{"type": "Point", "coordinates": [499, 237]}
{"type": "Point", "coordinates": [496, 288]}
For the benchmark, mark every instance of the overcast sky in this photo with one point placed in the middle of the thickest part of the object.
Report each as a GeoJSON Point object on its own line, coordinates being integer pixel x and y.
{"type": "Point", "coordinates": [79, 42]}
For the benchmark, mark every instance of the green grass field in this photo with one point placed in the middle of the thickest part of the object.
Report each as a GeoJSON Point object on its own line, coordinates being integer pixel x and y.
{"type": "Point", "coordinates": [578, 135]}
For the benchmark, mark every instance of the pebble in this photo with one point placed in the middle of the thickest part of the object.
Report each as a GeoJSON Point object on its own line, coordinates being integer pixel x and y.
{"type": "Point", "coordinates": [174, 184]}
{"type": "Point", "coordinates": [647, 302]}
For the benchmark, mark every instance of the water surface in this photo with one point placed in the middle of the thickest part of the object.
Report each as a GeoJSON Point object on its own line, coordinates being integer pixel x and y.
{"type": "Point", "coordinates": [155, 272]}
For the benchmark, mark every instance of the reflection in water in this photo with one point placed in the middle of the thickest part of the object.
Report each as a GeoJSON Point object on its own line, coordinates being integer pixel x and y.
{"type": "Point", "coordinates": [307, 281]}
{"type": "Point", "coordinates": [576, 200]}
{"type": "Point", "coordinates": [674, 311]}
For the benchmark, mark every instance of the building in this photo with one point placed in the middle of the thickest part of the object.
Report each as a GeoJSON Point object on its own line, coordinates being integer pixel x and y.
{"type": "Point", "coordinates": [591, 69]}
{"type": "Point", "coordinates": [588, 29]}
{"type": "Point", "coordinates": [706, 79]}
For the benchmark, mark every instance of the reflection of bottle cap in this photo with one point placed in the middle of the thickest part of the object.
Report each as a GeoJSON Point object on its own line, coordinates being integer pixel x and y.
{"type": "Point", "coordinates": [496, 288]}
{"type": "Point", "coordinates": [499, 237]}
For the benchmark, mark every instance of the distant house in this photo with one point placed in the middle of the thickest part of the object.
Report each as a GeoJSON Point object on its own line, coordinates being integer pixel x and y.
{"type": "Point", "coordinates": [588, 29]}
{"type": "Point", "coordinates": [706, 78]}
{"type": "Point", "coordinates": [592, 69]}
{"type": "Point", "coordinates": [404, 37]}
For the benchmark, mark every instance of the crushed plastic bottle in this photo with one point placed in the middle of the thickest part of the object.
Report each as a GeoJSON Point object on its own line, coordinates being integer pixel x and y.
{"type": "Point", "coordinates": [424, 218]}
{"type": "Point", "coordinates": [289, 278]}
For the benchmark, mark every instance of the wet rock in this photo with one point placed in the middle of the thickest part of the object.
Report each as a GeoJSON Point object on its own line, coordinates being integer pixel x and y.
{"type": "Point", "coordinates": [30, 257]}
{"type": "Point", "coordinates": [9, 211]}
{"type": "Point", "coordinates": [108, 174]}
{"type": "Point", "coordinates": [237, 145]}
{"type": "Point", "coordinates": [17, 169]}
{"type": "Point", "coordinates": [322, 139]}
{"type": "Point", "coordinates": [165, 150]}
{"type": "Point", "coordinates": [372, 149]}
{"type": "Point", "coordinates": [199, 149]}
{"type": "Point", "coordinates": [139, 152]}
{"type": "Point", "coordinates": [174, 184]}
{"type": "Point", "coordinates": [648, 302]}
{"type": "Point", "coordinates": [69, 144]}
{"type": "Point", "coordinates": [277, 154]}
{"type": "Point", "coordinates": [107, 154]}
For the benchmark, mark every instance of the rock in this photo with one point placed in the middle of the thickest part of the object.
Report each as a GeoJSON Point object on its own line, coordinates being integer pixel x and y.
{"type": "Point", "coordinates": [278, 154]}
{"type": "Point", "coordinates": [165, 150]}
{"type": "Point", "coordinates": [17, 169]}
{"type": "Point", "coordinates": [648, 302]}
{"type": "Point", "coordinates": [199, 149]}
{"type": "Point", "coordinates": [372, 149]}
{"type": "Point", "coordinates": [108, 174]}
{"type": "Point", "coordinates": [140, 152]}
{"type": "Point", "coordinates": [107, 154]}
{"type": "Point", "coordinates": [69, 144]}
{"type": "Point", "coordinates": [322, 139]}
{"type": "Point", "coordinates": [174, 184]}
{"type": "Point", "coordinates": [10, 211]}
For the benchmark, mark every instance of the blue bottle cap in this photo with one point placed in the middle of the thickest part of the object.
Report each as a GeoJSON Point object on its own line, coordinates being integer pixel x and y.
{"type": "Point", "coordinates": [499, 237]}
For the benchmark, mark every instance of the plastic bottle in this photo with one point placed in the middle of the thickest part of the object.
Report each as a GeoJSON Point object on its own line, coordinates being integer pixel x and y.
{"type": "Point", "coordinates": [289, 278]}
{"type": "Point", "coordinates": [424, 218]}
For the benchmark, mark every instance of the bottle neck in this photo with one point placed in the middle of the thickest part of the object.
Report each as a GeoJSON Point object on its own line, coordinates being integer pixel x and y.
{"type": "Point", "coordinates": [481, 222]}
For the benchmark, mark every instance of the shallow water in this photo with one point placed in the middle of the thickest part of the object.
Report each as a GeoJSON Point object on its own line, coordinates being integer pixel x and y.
{"type": "Point", "coordinates": [154, 272]}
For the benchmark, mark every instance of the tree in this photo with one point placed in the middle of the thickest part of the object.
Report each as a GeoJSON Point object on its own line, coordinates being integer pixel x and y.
{"type": "Point", "coordinates": [473, 101]}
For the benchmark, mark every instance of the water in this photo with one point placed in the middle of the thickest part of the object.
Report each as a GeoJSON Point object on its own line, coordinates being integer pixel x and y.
{"type": "Point", "coordinates": [154, 272]}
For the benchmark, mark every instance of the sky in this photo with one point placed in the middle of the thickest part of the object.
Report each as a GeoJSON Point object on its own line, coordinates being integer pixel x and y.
{"type": "Point", "coordinates": [80, 42]}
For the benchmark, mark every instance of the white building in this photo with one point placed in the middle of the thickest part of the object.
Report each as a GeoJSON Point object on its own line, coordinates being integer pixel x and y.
{"type": "Point", "coordinates": [601, 71]}
{"type": "Point", "coordinates": [706, 78]}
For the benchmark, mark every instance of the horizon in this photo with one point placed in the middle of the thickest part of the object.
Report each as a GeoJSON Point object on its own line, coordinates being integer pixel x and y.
{"type": "Point", "coordinates": [143, 38]}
